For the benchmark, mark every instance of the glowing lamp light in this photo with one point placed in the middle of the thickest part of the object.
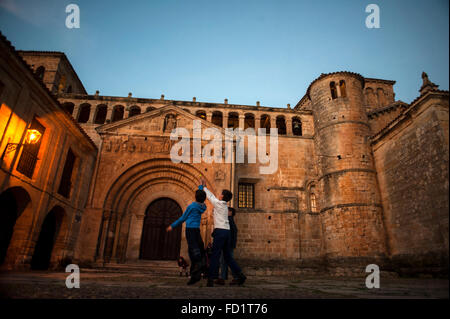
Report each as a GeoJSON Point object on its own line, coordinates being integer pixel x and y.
{"type": "Point", "coordinates": [32, 136]}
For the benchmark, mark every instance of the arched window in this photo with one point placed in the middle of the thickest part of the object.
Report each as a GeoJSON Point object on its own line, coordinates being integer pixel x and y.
{"type": "Point", "coordinates": [371, 99]}
{"type": "Point", "coordinates": [233, 120]}
{"type": "Point", "coordinates": [342, 88]}
{"type": "Point", "coordinates": [117, 113]}
{"type": "Point", "coordinates": [150, 108]}
{"type": "Point", "coordinates": [85, 111]}
{"type": "Point", "coordinates": [381, 97]}
{"type": "Point", "coordinates": [217, 118]}
{"type": "Point", "coordinates": [40, 72]}
{"type": "Point", "coordinates": [333, 90]}
{"type": "Point", "coordinates": [68, 107]}
{"type": "Point", "coordinates": [281, 125]}
{"type": "Point", "coordinates": [249, 121]}
{"type": "Point", "coordinates": [313, 199]}
{"type": "Point", "coordinates": [201, 114]}
{"type": "Point", "coordinates": [296, 126]}
{"type": "Point", "coordinates": [100, 116]}
{"type": "Point", "coordinates": [134, 110]}
{"type": "Point", "coordinates": [265, 123]}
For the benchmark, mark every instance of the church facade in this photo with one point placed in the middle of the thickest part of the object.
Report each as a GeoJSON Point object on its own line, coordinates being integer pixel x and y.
{"type": "Point", "coordinates": [361, 177]}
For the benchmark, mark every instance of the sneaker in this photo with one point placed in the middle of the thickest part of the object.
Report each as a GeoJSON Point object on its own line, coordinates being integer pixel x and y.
{"type": "Point", "coordinates": [241, 279]}
{"type": "Point", "coordinates": [210, 283]}
{"type": "Point", "coordinates": [219, 281]}
{"type": "Point", "coordinates": [238, 281]}
{"type": "Point", "coordinates": [234, 282]}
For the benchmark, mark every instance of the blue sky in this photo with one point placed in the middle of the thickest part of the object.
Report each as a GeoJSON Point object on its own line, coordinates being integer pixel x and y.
{"type": "Point", "coordinates": [243, 50]}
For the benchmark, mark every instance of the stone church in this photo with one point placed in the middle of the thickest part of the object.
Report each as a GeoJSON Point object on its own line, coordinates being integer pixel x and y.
{"type": "Point", "coordinates": [361, 178]}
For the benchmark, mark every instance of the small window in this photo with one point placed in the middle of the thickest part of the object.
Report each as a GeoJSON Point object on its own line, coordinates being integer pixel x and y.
{"type": "Point", "coordinates": [100, 116]}
{"type": "Point", "coordinates": [333, 90]}
{"type": "Point", "coordinates": [249, 121]}
{"type": "Point", "coordinates": [296, 126]}
{"type": "Point", "coordinates": [66, 178]}
{"type": "Point", "coordinates": [135, 110]}
{"type": "Point", "coordinates": [246, 195]}
{"type": "Point", "coordinates": [313, 199]}
{"type": "Point", "coordinates": [201, 114]}
{"type": "Point", "coordinates": [40, 72]}
{"type": "Point", "coordinates": [265, 123]}
{"type": "Point", "coordinates": [281, 125]}
{"type": "Point", "coordinates": [28, 158]}
{"type": "Point", "coordinates": [313, 203]}
{"type": "Point", "coordinates": [342, 88]}
{"type": "Point", "coordinates": [85, 111]}
{"type": "Point", "coordinates": [217, 118]}
{"type": "Point", "coordinates": [117, 113]}
{"type": "Point", "coordinates": [233, 120]}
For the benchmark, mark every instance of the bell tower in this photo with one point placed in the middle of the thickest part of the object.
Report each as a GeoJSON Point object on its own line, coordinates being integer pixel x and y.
{"type": "Point", "coordinates": [351, 210]}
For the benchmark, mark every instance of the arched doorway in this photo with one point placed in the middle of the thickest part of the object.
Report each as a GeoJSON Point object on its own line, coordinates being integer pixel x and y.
{"type": "Point", "coordinates": [13, 202]}
{"type": "Point", "coordinates": [44, 246]}
{"type": "Point", "coordinates": [156, 243]}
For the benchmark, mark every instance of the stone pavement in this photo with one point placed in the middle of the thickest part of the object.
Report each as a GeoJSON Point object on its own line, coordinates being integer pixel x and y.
{"type": "Point", "coordinates": [101, 284]}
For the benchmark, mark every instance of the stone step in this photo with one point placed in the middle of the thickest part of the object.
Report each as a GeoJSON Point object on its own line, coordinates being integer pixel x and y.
{"type": "Point", "coordinates": [157, 267]}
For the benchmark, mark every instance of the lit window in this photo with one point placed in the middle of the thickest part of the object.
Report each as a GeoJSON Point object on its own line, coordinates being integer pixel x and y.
{"type": "Point", "coordinates": [246, 195]}
{"type": "Point", "coordinates": [342, 88]}
{"type": "Point", "coordinates": [28, 158]}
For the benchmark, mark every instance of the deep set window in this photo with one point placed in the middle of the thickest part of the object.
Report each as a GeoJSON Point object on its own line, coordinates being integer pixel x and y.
{"type": "Point", "coordinates": [28, 158]}
{"type": "Point", "coordinates": [66, 178]}
{"type": "Point", "coordinates": [246, 195]}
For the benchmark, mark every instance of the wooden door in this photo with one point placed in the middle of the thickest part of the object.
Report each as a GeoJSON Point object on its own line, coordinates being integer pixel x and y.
{"type": "Point", "coordinates": [156, 243]}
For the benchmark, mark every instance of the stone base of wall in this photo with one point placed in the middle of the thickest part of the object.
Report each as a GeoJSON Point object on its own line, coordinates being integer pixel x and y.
{"type": "Point", "coordinates": [430, 265]}
{"type": "Point", "coordinates": [435, 264]}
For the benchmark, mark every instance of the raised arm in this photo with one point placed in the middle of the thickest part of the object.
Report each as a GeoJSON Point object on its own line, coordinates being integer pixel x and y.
{"type": "Point", "coordinates": [209, 195]}
{"type": "Point", "coordinates": [180, 220]}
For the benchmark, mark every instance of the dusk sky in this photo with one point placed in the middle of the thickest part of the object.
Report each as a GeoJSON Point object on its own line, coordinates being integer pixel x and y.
{"type": "Point", "coordinates": [237, 49]}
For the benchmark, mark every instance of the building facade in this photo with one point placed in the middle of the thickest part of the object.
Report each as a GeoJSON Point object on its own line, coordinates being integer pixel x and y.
{"type": "Point", "coordinates": [361, 177]}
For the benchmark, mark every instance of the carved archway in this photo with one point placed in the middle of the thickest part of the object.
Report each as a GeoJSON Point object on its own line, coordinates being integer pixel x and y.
{"type": "Point", "coordinates": [128, 197]}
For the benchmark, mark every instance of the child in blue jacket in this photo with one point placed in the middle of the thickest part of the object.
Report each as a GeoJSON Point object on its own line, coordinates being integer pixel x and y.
{"type": "Point", "coordinates": [196, 248]}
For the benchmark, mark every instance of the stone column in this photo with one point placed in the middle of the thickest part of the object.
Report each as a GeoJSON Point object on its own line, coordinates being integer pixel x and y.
{"type": "Point", "coordinates": [92, 114]}
{"type": "Point", "coordinates": [109, 113]}
{"type": "Point", "coordinates": [241, 121]}
{"type": "Point", "coordinates": [225, 121]}
{"type": "Point", "coordinates": [209, 116]}
{"type": "Point", "coordinates": [289, 126]}
{"type": "Point", "coordinates": [76, 111]}
{"type": "Point", "coordinates": [257, 124]}
{"type": "Point", "coordinates": [273, 122]}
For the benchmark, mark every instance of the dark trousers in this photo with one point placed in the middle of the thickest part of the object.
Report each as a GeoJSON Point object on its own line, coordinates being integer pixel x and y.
{"type": "Point", "coordinates": [224, 267]}
{"type": "Point", "coordinates": [196, 250]}
{"type": "Point", "coordinates": [222, 244]}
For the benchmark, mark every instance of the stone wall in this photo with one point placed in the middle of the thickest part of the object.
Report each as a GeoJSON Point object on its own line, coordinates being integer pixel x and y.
{"type": "Point", "coordinates": [412, 165]}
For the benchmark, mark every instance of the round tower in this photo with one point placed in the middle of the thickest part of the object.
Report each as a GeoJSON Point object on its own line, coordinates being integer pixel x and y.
{"type": "Point", "coordinates": [350, 206]}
